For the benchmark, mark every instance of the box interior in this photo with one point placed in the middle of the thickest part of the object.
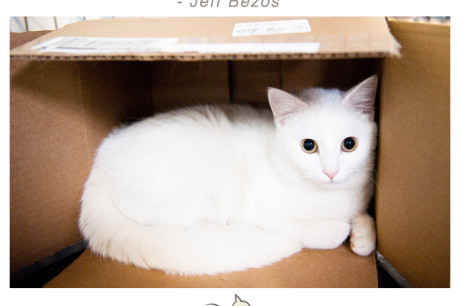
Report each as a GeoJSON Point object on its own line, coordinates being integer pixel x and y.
{"type": "Point", "coordinates": [337, 37]}
{"type": "Point", "coordinates": [64, 124]}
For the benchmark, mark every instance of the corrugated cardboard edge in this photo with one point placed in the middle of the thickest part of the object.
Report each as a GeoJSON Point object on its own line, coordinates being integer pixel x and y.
{"type": "Point", "coordinates": [202, 57]}
{"type": "Point", "coordinates": [384, 46]}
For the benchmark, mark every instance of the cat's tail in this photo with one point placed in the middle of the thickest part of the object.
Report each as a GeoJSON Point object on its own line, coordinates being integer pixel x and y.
{"type": "Point", "coordinates": [192, 250]}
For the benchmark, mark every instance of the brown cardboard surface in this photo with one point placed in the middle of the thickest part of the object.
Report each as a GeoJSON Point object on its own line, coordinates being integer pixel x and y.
{"type": "Point", "coordinates": [250, 80]}
{"type": "Point", "coordinates": [309, 268]}
{"type": "Point", "coordinates": [59, 113]}
{"type": "Point", "coordinates": [19, 40]}
{"type": "Point", "coordinates": [339, 73]}
{"type": "Point", "coordinates": [245, 82]}
{"type": "Point", "coordinates": [113, 93]}
{"type": "Point", "coordinates": [338, 37]}
{"type": "Point", "coordinates": [176, 84]}
{"type": "Point", "coordinates": [413, 194]}
{"type": "Point", "coordinates": [48, 154]}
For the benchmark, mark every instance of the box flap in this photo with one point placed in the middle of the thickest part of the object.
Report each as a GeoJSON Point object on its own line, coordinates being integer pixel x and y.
{"type": "Point", "coordinates": [189, 39]}
{"type": "Point", "coordinates": [413, 194]}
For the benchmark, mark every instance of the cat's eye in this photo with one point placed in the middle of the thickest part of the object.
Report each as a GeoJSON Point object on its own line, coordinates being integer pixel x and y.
{"type": "Point", "coordinates": [349, 144]}
{"type": "Point", "coordinates": [309, 146]}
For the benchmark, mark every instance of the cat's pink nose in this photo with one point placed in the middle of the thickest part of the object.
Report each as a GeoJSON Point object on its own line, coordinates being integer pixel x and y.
{"type": "Point", "coordinates": [330, 174]}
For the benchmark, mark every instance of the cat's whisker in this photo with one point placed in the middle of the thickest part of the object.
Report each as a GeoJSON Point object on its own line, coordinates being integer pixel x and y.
{"type": "Point", "coordinates": [369, 176]}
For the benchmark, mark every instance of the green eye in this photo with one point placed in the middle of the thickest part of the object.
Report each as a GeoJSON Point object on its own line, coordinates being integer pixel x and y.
{"type": "Point", "coordinates": [309, 146]}
{"type": "Point", "coordinates": [349, 144]}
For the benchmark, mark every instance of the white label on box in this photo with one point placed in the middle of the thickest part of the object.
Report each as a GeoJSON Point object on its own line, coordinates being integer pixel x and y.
{"type": "Point", "coordinates": [91, 45]}
{"type": "Point", "coordinates": [272, 27]}
{"type": "Point", "coordinates": [296, 47]}
{"type": "Point", "coordinates": [104, 44]}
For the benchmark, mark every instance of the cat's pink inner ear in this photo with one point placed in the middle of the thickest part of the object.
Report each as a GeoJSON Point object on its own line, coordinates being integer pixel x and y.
{"type": "Point", "coordinates": [283, 105]}
{"type": "Point", "coordinates": [362, 96]}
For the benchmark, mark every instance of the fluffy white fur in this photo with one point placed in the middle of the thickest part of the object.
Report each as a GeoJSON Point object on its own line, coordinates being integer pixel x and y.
{"type": "Point", "coordinates": [210, 189]}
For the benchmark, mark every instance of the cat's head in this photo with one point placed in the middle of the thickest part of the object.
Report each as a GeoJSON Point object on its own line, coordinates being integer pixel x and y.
{"type": "Point", "coordinates": [326, 136]}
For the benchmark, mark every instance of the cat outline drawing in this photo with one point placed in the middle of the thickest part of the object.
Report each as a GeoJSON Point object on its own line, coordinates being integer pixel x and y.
{"type": "Point", "coordinates": [238, 302]}
{"type": "Point", "coordinates": [210, 189]}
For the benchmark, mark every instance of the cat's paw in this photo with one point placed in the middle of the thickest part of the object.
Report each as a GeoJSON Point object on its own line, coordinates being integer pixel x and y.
{"type": "Point", "coordinates": [363, 235]}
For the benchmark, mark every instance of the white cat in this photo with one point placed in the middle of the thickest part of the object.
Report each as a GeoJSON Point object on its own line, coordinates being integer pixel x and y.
{"type": "Point", "coordinates": [209, 189]}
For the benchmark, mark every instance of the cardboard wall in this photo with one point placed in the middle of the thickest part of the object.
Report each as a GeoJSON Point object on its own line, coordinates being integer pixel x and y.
{"type": "Point", "coordinates": [334, 73]}
{"type": "Point", "coordinates": [59, 113]}
{"type": "Point", "coordinates": [113, 93]}
{"type": "Point", "coordinates": [49, 152]}
{"type": "Point", "coordinates": [176, 84]}
{"type": "Point", "coordinates": [413, 194]}
{"type": "Point", "coordinates": [249, 80]}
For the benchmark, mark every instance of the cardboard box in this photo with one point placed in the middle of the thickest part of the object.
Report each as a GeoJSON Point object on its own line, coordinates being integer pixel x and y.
{"type": "Point", "coordinates": [63, 105]}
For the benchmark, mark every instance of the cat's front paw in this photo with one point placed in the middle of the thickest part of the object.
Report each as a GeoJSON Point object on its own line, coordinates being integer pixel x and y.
{"type": "Point", "coordinates": [363, 235]}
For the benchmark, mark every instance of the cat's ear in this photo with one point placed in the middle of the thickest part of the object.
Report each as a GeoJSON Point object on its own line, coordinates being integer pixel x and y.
{"type": "Point", "coordinates": [283, 105]}
{"type": "Point", "coordinates": [362, 96]}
